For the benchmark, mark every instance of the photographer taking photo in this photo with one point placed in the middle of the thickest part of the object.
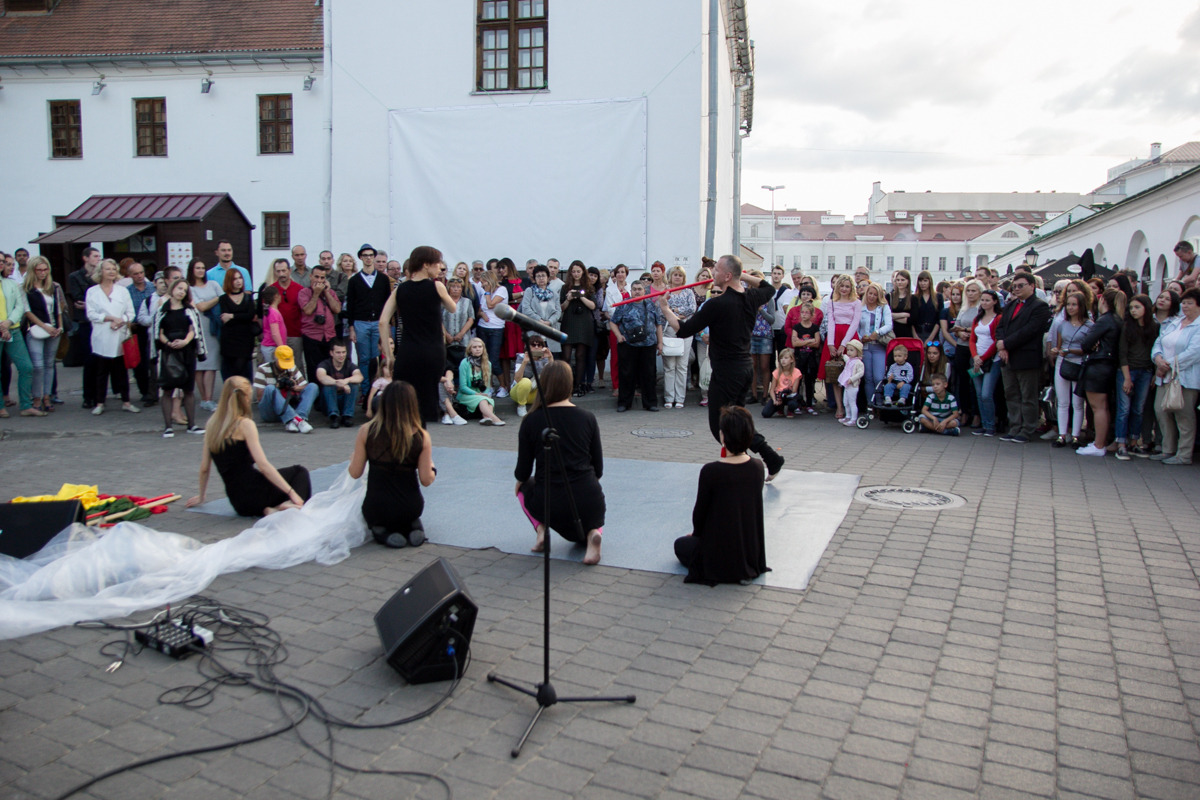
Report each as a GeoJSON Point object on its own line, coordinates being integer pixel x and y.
{"type": "Point", "coordinates": [282, 393]}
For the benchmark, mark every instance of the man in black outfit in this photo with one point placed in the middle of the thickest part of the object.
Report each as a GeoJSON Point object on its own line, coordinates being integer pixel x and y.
{"type": "Point", "coordinates": [729, 319]}
{"type": "Point", "coordinates": [1019, 348]}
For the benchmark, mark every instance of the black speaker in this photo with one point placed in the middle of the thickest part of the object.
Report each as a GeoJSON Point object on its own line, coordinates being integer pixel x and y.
{"type": "Point", "coordinates": [26, 527]}
{"type": "Point", "coordinates": [426, 626]}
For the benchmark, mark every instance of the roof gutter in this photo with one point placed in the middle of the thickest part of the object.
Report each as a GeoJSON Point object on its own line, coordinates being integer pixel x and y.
{"type": "Point", "coordinates": [193, 58]}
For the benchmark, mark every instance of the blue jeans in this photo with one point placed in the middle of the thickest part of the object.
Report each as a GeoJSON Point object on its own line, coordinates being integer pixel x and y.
{"type": "Point", "coordinates": [889, 391]}
{"type": "Point", "coordinates": [985, 393]}
{"type": "Point", "coordinates": [367, 347]}
{"type": "Point", "coordinates": [874, 366]}
{"type": "Point", "coordinates": [273, 405]}
{"type": "Point", "coordinates": [1130, 406]}
{"type": "Point", "coordinates": [41, 355]}
{"type": "Point", "coordinates": [492, 338]}
{"type": "Point", "coordinates": [337, 403]}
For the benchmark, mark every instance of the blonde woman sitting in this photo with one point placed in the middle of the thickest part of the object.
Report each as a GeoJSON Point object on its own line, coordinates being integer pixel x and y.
{"type": "Point", "coordinates": [254, 487]}
{"type": "Point", "coordinates": [475, 383]}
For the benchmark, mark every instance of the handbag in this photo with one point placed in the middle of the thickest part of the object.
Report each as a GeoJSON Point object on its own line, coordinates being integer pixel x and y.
{"type": "Point", "coordinates": [672, 346]}
{"type": "Point", "coordinates": [1172, 393]}
{"type": "Point", "coordinates": [64, 347]}
{"type": "Point", "coordinates": [1070, 371]}
{"type": "Point", "coordinates": [133, 354]}
{"type": "Point", "coordinates": [172, 371]}
{"type": "Point", "coordinates": [38, 332]}
{"type": "Point", "coordinates": [833, 369]}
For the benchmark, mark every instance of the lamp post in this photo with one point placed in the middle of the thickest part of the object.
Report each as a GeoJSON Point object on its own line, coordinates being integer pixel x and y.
{"type": "Point", "coordinates": [772, 189]}
{"type": "Point", "coordinates": [1031, 257]}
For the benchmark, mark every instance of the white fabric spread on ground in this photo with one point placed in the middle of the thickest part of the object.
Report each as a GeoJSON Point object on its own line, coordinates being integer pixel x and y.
{"type": "Point", "coordinates": [85, 573]}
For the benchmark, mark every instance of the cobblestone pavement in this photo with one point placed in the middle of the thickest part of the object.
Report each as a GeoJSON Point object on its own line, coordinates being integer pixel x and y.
{"type": "Point", "coordinates": [1041, 640]}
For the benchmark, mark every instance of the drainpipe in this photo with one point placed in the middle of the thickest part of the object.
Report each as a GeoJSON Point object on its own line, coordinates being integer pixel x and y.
{"type": "Point", "coordinates": [327, 67]}
{"type": "Point", "coordinates": [710, 222]}
{"type": "Point", "coordinates": [737, 170]}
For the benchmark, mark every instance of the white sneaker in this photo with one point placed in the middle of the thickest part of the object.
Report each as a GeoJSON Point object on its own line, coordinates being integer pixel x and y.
{"type": "Point", "coordinates": [458, 420]}
{"type": "Point", "coordinates": [499, 423]}
{"type": "Point", "coordinates": [1091, 450]}
{"type": "Point", "coordinates": [304, 427]}
{"type": "Point", "coordinates": [446, 420]}
{"type": "Point", "coordinates": [169, 433]}
{"type": "Point", "coordinates": [485, 421]}
{"type": "Point", "coordinates": [501, 392]}
{"type": "Point", "coordinates": [292, 427]}
{"type": "Point", "coordinates": [131, 408]}
{"type": "Point", "coordinates": [98, 410]}
{"type": "Point", "coordinates": [522, 411]}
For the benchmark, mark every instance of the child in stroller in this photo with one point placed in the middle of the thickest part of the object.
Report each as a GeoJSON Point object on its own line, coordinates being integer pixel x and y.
{"type": "Point", "coordinates": [909, 407]}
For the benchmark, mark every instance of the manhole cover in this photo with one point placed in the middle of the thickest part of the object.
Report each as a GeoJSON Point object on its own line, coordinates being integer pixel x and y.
{"type": "Point", "coordinates": [907, 497]}
{"type": "Point", "coordinates": [661, 433]}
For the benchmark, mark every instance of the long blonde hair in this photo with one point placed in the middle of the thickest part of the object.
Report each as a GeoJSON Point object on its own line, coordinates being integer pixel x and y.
{"type": "Point", "coordinates": [31, 280]}
{"type": "Point", "coordinates": [484, 361]}
{"type": "Point", "coordinates": [233, 407]}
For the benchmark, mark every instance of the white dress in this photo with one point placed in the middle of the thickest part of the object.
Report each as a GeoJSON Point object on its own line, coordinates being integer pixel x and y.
{"type": "Point", "coordinates": [201, 294]}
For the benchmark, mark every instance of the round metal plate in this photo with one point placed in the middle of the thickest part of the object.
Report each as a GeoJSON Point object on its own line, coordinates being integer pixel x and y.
{"type": "Point", "coordinates": [909, 498]}
{"type": "Point", "coordinates": [661, 433]}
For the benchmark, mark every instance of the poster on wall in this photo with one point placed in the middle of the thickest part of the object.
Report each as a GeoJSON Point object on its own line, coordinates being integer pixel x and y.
{"type": "Point", "coordinates": [179, 254]}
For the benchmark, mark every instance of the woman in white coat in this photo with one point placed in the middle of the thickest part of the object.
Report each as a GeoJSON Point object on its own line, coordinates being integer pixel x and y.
{"type": "Point", "coordinates": [110, 310]}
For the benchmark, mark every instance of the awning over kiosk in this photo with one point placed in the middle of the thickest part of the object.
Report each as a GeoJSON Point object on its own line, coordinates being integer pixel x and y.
{"type": "Point", "coordinates": [68, 234]}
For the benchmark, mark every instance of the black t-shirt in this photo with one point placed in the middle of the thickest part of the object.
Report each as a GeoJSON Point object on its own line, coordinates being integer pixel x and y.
{"type": "Point", "coordinates": [729, 319]}
{"type": "Point", "coordinates": [345, 372]}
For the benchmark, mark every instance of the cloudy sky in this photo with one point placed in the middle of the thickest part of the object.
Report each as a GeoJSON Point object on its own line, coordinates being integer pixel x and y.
{"type": "Point", "coordinates": [947, 95]}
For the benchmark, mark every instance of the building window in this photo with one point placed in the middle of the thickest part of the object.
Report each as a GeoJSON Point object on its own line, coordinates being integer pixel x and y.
{"type": "Point", "coordinates": [832, 263]}
{"type": "Point", "coordinates": [958, 264]}
{"type": "Point", "coordinates": [1010, 235]}
{"type": "Point", "coordinates": [795, 262]}
{"type": "Point", "coordinates": [908, 263]}
{"type": "Point", "coordinates": [66, 129]}
{"type": "Point", "coordinates": [815, 263]}
{"type": "Point", "coordinates": [849, 262]}
{"type": "Point", "coordinates": [510, 45]}
{"type": "Point", "coordinates": [870, 261]}
{"type": "Point", "coordinates": [150, 123]}
{"type": "Point", "coordinates": [277, 230]}
{"type": "Point", "coordinates": [754, 231]}
{"type": "Point", "coordinates": [779, 261]}
{"type": "Point", "coordinates": [924, 263]}
{"type": "Point", "coordinates": [891, 263]}
{"type": "Point", "coordinates": [274, 123]}
{"type": "Point", "coordinates": [942, 264]}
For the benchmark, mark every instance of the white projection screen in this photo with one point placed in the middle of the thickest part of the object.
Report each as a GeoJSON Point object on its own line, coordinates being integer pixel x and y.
{"type": "Point", "coordinates": [547, 180]}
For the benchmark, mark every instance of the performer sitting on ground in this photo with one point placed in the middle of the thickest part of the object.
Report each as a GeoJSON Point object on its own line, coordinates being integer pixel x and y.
{"type": "Point", "coordinates": [400, 453]}
{"type": "Point", "coordinates": [726, 542]}
{"type": "Point", "coordinates": [582, 459]}
{"type": "Point", "coordinates": [231, 440]}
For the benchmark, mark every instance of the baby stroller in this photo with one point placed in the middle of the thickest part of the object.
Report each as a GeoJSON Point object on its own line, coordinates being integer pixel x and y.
{"type": "Point", "coordinates": [904, 413]}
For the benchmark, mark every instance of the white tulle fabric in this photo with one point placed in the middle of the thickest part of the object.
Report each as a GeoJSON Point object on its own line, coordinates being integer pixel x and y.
{"type": "Point", "coordinates": [84, 573]}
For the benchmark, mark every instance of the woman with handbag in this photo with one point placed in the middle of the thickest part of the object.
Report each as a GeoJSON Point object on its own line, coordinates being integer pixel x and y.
{"type": "Point", "coordinates": [1177, 361]}
{"type": "Point", "coordinates": [456, 327]}
{"type": "Point", "coordinates": [540, 302]}
{"type": "Point", "coordinates": [1100, 367]}
{"type": "Point", "coordinates": [577, 302]}
{"type": "Point", "coordinates": [110, 310]}
{"type": "Point", "coordinates": [676, 351]}
{"type": "Point", "coordinates": [1066, 348]}
{"type": "Point", "coordinates": [205, 295]}
{"type": "Point", "coordinates": [985, 367]}
{"type": "Point", "coordinates": [176, 336]}
{"type": "Point", "coordinates": [875, 331]}
{"type": "Point", "coordinates": [1136, 372]}
{"type": "Point", "coordinates": [43, 329]}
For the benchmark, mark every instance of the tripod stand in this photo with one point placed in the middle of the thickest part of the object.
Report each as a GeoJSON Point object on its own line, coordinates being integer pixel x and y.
{"type": "Point", "coordinates": [544, 692]}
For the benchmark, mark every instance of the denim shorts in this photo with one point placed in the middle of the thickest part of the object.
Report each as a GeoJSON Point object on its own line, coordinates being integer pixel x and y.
{"type": "Point", "coordinates": [761, 345]}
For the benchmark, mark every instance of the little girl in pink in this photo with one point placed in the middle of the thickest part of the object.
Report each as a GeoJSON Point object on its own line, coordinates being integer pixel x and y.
{"type": "Point", "coordinates": [849, 380]}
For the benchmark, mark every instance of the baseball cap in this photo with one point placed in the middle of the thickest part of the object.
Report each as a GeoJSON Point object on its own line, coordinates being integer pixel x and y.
{"type": "Point", "coordinates": [284, 357]}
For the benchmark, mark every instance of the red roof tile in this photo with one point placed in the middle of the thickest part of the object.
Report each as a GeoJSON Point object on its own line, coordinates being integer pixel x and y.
{"type": "Point", "coordinates": [141, 27]}
{"type": "Point", "coordinates": [143, 208]}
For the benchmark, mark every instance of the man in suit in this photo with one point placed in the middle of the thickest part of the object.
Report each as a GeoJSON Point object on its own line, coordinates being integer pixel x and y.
{"type": "Point", "coordinates": [1019, 348]}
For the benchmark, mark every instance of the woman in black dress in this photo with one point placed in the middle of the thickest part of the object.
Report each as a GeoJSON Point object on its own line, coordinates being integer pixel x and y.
{"type": "Point", "coordinates": [420, 355]}
{"type": "Point", "coordinates": [176, 336]}
{"type": "Point", "coordinates": [400, 453]}
{"type": "Point", "coordinates": [237, 327]}
{"type": "Point", "coordinates": [578, 301]}
{"type": "Point", "coordinates": [582, 458]}
{"type": "Point", "coordinates": [926, 308]}
{"type": "Point", "coordinates": [726, 544]}
{"type": "Point", "coordinates": [254, 487]}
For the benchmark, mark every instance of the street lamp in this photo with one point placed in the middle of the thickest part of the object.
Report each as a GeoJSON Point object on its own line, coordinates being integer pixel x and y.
{"type": "Point", "coordinates": [772, 190]}
{"type": "Point", "coordinates": [1031, 257]}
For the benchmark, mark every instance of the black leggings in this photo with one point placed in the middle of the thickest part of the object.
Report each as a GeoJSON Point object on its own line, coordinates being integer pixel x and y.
{"type": "Point", "coordinates": [808, 362]}
{"type": "Point", "coordinates": [120, 378]}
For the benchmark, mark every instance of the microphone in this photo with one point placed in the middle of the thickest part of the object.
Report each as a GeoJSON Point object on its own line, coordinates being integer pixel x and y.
{"type": "Point", "coordinates": [505, 312]}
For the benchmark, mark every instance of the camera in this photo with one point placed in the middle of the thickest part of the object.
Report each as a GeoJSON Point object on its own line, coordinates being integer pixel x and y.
{"type": "Point", "coordinates": [284, 383]}
{"type": "Point", "coordinates": [319, 319]}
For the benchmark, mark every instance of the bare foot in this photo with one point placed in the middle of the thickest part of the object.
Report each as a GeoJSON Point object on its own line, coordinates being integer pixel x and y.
{"type": "Point", "coordinates": [541, 540]}
{"type": "Point", "coordinates": [592, 556]}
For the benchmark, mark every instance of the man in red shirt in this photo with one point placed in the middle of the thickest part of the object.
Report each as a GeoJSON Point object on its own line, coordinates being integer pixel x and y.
{"type": "Point", "coordinates": [289, 307]}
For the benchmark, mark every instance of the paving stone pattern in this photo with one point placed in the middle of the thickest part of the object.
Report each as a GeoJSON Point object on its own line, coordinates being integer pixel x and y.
{"type": "Point", "coordinates": [1042, 640]}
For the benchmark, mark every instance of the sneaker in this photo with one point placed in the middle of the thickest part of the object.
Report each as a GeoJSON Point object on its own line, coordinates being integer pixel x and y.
{"type": "Point", "coordinates": [790, 414]}
{"type": "Point", "coordinates": [304, 427]}
{"type": "Point", "coordinates": [196, 430]}
{"type": "Point", "coordinates": [1138, 451]}
{"type": "Point", "coordinates": [1091, 450]}
{"type": "Point", "coordinates": [56, 401]}
{"type": "Point", "coordinates": [703, 402]}
{"type": "Point", "coordinates": [951, 432]}
{"type": "Point", "coordinates": [209, 405]}
{"type": "Point", "coordinates": [347, 421]}
{"type": "Point", "coordinates": [812, 411]}
{"type": "Point", "coordinates": [97, 411]}
{"type": "Point", "coordinates": [979, 432]}
{"type": "Point", "coordinates": [1006, 437]}
{"type": "Point", "coordinates": [131, 408]}
{"type": "Point", "coordinates": [1050, 435]}
{"type": "Point", "coordinates": [1019, 439]}
{"type": "Point", "coordinates": [458, 421]}
{"type": "Point", "coordinates": [522, 411]}
{"type": "Point", "coordinates": [168, 433]}
{"type": "Point", "coordinates": [1161, 456]}
{"type": "Point", "coordinates": [335, 422]}
{"type": "Point", "coordinates": [446, 420]}
{"type": "Point", "coordinates": [501, 392]}
{"type": "Point", "coordinates": [396, 540]}
{"type": "Point", "coordinates": [887, 401]}
{"type": "Point", "coordinates": [1175, 461]}
{"type": "Point", "coordinates": [1122, 453]}
{"type": "Point", "coordinates": [989, 433]}
{"type": "Point", "coordinates": [292, 427]}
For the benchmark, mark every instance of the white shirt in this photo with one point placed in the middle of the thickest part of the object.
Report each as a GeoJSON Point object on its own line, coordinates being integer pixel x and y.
{"type": "Point", "coordinates": [487, 317]}
{"type": "Point", "coordinates": [105, 341]}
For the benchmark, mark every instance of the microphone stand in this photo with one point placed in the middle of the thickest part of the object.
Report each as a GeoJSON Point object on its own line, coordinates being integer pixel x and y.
{"type": "Point", "coordinates": [544, 692]}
